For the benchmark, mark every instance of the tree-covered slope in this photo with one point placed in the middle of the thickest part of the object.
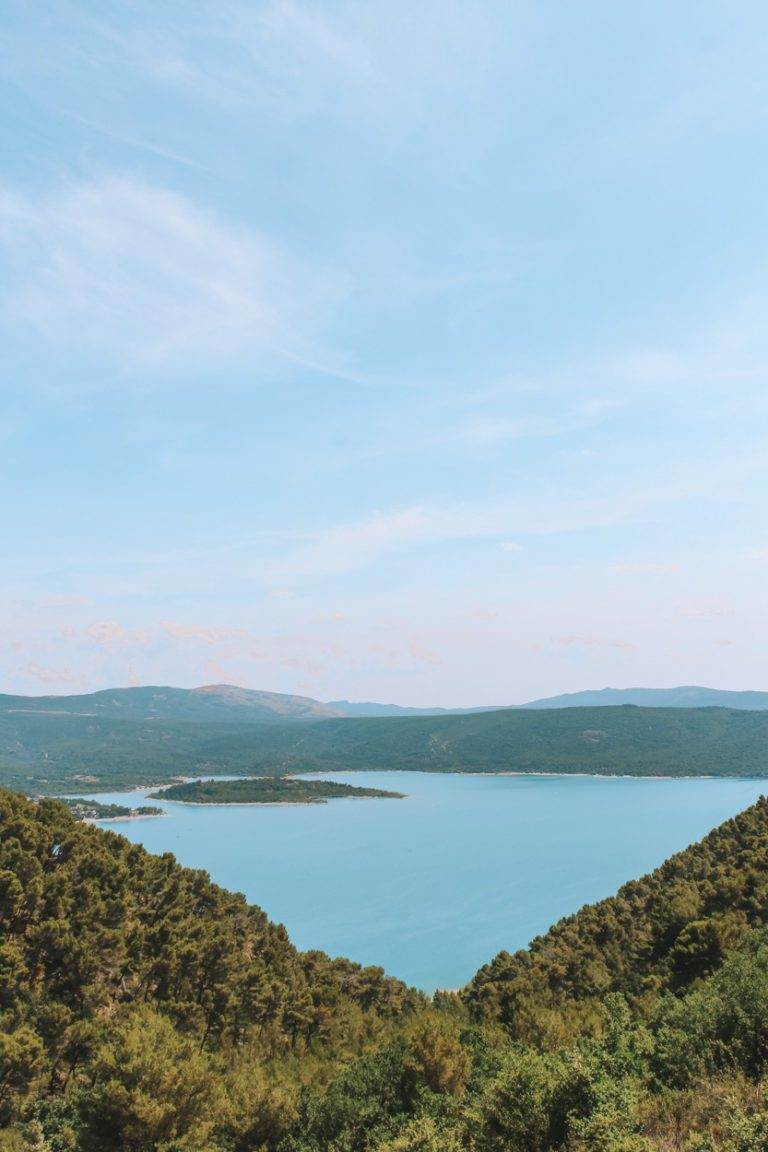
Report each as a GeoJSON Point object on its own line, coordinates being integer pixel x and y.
{"type": "Point", "coordinates": [614, 741]}
{"type": "Point", "coordinates": [104, 947]}
{"type": "Point", "coordinates": [144, 1009]}
{"type": "Point", "coordinates": [657, 934]}
{"type": "Point", "coordinates": [638, 1025]}
{"type": "Point", "coordinates": [48, 753]}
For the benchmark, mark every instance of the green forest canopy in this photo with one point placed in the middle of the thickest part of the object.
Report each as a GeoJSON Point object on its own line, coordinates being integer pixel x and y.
{"type": "Point", "coordinates": [268, 790]}
{"type": "Point", "coordinates": [50, 753]}
{"type": "Point", "coordinates": [95, 810]}
{"type": "Point", "coordinates": [144, 1008]}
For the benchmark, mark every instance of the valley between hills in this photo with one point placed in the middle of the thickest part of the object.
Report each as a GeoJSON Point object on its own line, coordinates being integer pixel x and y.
{"type": "Point", "coordinates": [144, 1008]}
{"type": "Point", "coordinates": [126, 738]}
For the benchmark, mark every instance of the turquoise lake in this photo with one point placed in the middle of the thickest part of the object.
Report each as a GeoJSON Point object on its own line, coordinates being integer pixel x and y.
{"type": "Point", "coordinates": [433, 886]}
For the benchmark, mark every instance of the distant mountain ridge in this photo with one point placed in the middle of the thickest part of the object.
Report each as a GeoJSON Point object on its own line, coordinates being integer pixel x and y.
{"type": "Point", "coordinates": [211, 703]}
{"type": "Point", "coordinates": [208, 704]}
{"type": "Point", "coordinates": [228, 703]}
{"type": "Point", "coordinates": [370, 708]}
{"type": "Point", "coordinates": [149, 736]}
{"type": "Point", "coordinates": [687, 696]}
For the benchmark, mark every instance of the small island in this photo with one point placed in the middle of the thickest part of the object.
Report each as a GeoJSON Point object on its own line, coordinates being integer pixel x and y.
{"type": "Point", "coordinates": [95, 810]}
{"type": "Point", "coordinates": [268, 790]}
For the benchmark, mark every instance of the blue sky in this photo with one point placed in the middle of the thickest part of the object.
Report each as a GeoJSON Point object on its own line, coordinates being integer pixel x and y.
{"type": "Point", "coordinates": [397, 351]}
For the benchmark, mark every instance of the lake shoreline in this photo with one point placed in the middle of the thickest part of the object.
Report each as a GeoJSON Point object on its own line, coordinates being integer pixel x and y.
{"type": "Point", "coordinates": [250, 803]}
{"type": "Point", "coordinates": [145, 788]}
{"type": "Point", "coordinates": [598, 775]}
{"type": "Point", "coordinates": [537, 774]}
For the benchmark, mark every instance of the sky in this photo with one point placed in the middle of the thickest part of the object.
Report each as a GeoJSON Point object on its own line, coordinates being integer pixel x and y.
{"type": "Point", "coordinates": [413, 352]}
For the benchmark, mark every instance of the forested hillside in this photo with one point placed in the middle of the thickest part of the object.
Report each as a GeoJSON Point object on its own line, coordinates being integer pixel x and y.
{"type": "Point", "coordinates": [48, 753]}
{"type": "Point", "coordinates": [657, 934]}
{"type": "Point", "coordinates": [608, 741]}
{"type": "Point", "coordinates": [147, 1010]}
{"type": "Point", "coordinates": [141, 1003]}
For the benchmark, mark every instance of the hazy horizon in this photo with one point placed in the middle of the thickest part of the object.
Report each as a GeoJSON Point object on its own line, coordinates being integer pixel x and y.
{"type": "Point", "coordinates": [400, 703]}
{"type": "Point", "coordinates": [383, 353]}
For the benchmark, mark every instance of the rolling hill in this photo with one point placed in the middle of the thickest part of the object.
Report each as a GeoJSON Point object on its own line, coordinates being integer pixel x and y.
{"type": "Point", "coordinates": [228, 703]}
{"type": "Point", "coordinates": [690, 696]}
{"type": "Point", "coordinates": [49, 752]}
{"type": "Point", "coordinates": [211, 703]}
{"type": "Point", "coordinates": [606, 741]}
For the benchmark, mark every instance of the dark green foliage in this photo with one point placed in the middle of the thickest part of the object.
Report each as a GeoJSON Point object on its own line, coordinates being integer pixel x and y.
{"type": "Point", "coordinates": [267, 790]}
{"type": "Point", "coordinates": [144, 1009]}
{"type": "Point", "coordinates": [661, 932]}
{"type": "Point", "coordinates": [722, 1022]}
{"type": "Point", "coordinates": [607, 741]}
{"type": "Point", "coordinates": [47, 752]}
{"type": "Point", "coordinates": [94, 810]}
{"type": "Point", "coordinates": [95, 933]}
{"type": "Point", "coordinates": [150, 1086]}
{"type": "Point", "coordinates": [367, 1103]}
{"type": "Point", "coordinates": [435, 1057]}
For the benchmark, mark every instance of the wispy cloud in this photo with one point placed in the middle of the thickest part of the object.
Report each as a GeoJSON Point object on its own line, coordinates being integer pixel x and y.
{"type": "Point", "coordinates": [707, 610]}
{"type": "Point", "coordinates": [641, 568]}
{"type": "Point", "coordinates": [353, 545]}
{"type": "Point", "coordinates": [148, 275]}
{"type": "Point", "coordinates": [724, 362]}
{"type": "Point", "coordinates": [202, 633]}
{"type": "Point", "coordinates": [394, 64]}
{"type": "Point", "coordinates": [132, 142]}
{"type": "Point", "coordinates": [590, 641]}
{"type": "Point", "coordinates": [54, 677]}
{"type": "Point", "coordinates": [395, 54]}
{"type": "Point", "coordinates": [345, 547]}
{"type": "Point", "coordinates": [353, 60]}
{"type": "Point", "coordinates": [111, 633]}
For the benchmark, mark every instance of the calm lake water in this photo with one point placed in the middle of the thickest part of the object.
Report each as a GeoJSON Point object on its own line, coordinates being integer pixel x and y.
{"type": "Point", "coordinates": [433, 886]}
